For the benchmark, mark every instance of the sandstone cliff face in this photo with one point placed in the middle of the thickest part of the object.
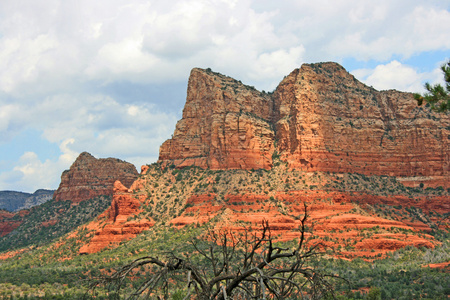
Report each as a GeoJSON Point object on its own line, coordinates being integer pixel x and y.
{"type": "Point", "coordinates": [326, 120]}
{"type": "Point", "coordinates": [123, 205]}
{"type": "Point", "coordinates": [89, 177]}
{"type": "Point", "coordinates": [320, 118]}
{"type": "Point", "coordinates": [225, 125]}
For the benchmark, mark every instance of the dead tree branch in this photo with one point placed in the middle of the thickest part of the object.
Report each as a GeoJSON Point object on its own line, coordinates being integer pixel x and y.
{"type": "Point", "coordinates": [230, 265]}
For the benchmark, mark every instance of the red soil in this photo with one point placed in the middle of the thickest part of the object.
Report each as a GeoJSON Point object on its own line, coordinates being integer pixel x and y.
{"type": "Point", "coordinates": [444, 265]}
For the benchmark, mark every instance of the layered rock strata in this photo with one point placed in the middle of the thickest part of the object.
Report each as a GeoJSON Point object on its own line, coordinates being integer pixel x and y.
{"type": "Point", "coordinates": [320, 118]}
{"type": "Point", "coordinates": [361, 235]}
{"type": "Point", "coordinates": [89, 177]}
{"type": "Point", "coordinates": [225, 125]}
{"type": "Point", "coordinates": [116, 224]}
{"type": "Point", "coordinates": [326, 120]}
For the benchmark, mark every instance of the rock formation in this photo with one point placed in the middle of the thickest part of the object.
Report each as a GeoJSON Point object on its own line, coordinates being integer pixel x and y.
{"type": "Point", "coordinates": [10, 221]}
{"type": "Point", "coordinates": [312, 135]}
{"type": "Point", "coordinates": [114, 225]}
{"type": "Point", "coordinates": [89, 177]}
{"type": "Point", "coordinates": [225, 125]}
{"type": "Point", "coordinates": [320, 118]}
{"type": "Point", "coordinates": [326, 120]}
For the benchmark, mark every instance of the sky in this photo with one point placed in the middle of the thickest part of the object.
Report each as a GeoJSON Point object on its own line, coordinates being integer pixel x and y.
{"type": "Point", "coordinates": [110, 76]}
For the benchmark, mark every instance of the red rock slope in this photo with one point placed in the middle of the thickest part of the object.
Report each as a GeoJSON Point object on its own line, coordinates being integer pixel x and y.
{"type": "Point", "coordinates": [346, 211]}
{"type": "Point", "coordinates": [115, 224]}
{"type": "Point", "coordinates": [7, 223]}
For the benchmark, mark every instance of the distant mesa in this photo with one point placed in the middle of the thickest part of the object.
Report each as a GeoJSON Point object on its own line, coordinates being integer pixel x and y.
{"type": "Point", "coordinates": [89, 177]}
{"type": "Point", "coordinates": [14, 201]}
{"type": "Point", "coordinates": [319, 118]}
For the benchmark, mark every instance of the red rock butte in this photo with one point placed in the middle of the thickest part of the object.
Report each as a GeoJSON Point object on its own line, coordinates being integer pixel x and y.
{"type": "Point", "coordinates": [89, 177]}
{"type": "Point", "coordinates": [319, 118]}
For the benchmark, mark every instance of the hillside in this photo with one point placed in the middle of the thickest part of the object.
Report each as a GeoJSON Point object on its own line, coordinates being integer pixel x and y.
{"type": "Point", "coordinates": [44, 223]}
{"type": "Point", "coordinates": [371, 167]}
{"type": "Point", "coordinates": [373, 214]}
{"type": "Point", "coordinates": [360, 229]}
{"type": "Point", "coordinates": [84, 192]}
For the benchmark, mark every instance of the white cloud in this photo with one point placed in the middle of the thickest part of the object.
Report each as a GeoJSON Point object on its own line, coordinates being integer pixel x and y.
{"type": "Point", "coordinates": [31, 173]}
{"type": "Point", "coordinates": [30, 57]}
{"type": "Point", "coordinates": [7, 113]}
{"type": "Point", "coordinates": [42, 174]}
{"type": "Point", "coordinates": [277, 64]}
{"type": "Point", "coordinates": [116, 60]}
{"type": "Point", "coordinates": [396, 75]}
{"type": "Point", "coordinates": [430, 28]}
{"type": "Point", "coordinates": [366, 30]}
{"type": "Point", "coordinates": [59, 46]}
{"type": "Point", "coordinates": [97, 124]}
{"type": "Point", "coordinates": [104, 126]}
{"type": "Point", "coordinates": [393, 75]}
{"type": "Point", "coordinates": [68, 156]}
{"type": "Point", "coordinates": [139, 41]}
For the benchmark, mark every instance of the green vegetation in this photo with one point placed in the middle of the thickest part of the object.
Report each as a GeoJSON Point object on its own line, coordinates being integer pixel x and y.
{"type": "Point", "coordinates": [225, 264]}
{"type": "Point", "coordinates": [402, 275]}
{"type": "Point", "coordinates": [40, 274]}
{"type": "Point", "coordinates": [56, 270]}
{"type": "Point", "coordinates": [437, 96]}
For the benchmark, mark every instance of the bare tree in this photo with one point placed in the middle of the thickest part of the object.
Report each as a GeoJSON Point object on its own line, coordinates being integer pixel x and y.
{"type": "Point", "coordinates": [227, 264]}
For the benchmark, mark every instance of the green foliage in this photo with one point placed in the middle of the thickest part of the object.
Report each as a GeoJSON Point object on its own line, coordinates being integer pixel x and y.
{"type": "Point", "coordinates": [401, 275]}
{"type": "Point", "coordinates": [41, 274]}
{"type": "Point", "coordinates": [178, 295]}
{"type": "Point", "coordinates": [374, 294]}
{"type": "Point", "coordinates": [437, 96]}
